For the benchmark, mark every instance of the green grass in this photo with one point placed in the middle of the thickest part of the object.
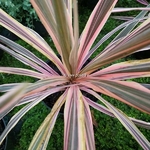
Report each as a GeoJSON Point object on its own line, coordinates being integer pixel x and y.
{"type": "Point", "coordinates": [109, 135]}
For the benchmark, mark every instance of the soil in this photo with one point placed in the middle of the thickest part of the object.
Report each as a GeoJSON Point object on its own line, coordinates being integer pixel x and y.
{"type": "Point", "coordinates": [141, 55]}
{"type": "Point", "coordinates": [50, 100]}
{"type": "Point", "coordinates": [2, 127]}
{"type": "Point", "coordinates": [1, 53]}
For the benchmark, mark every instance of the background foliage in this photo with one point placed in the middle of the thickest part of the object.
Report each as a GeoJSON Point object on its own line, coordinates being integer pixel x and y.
{"type": "Point", "coordinates": [21, 10]}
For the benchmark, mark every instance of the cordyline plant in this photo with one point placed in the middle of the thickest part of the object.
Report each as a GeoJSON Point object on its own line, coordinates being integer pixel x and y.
{"type": "Point", "coordinates": [60, 18]}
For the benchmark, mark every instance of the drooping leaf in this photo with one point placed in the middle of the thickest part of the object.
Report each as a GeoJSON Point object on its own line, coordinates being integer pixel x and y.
{"type": "Point", "coordinates": [41, 138]}
{"type": "Point", "coordinates": [31, 38]}
{"type": "Point", "coordinates": [131, 93]}
{"type": "Point", "coordinates": [125, 70]}
{"type": "Point", "coordinates": [10, 99]}
{"type": "Point", "coordinates": [106, 111]}
{"type": "Point", "coordinates": [126, 122]}
{"type": "Point", "coordinates": [25, 56]}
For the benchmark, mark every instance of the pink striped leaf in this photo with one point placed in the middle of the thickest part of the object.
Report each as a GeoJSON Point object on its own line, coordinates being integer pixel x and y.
{"type": "Point", "coordinates": [30, 37]}
{"type": "Point", "coordinates": [124, 76]}
{"type": "Point", "coordinates": [44, 84]}
{"type": "Point", "coordinates": [29, 97]}
{"type": "Point", "coordinates": [74, 51]}
{"type": "Point", "coordinates": [47, 18]}
{"type": "Point", "coordinates": [144, 2]}
{"type": "Point", "coordinates": [65, 32]}
{"type": "Point", "coordinates": [14, 47]}
{"type": "Point", "coordinates": [130, 27]}
{"type": "Point", "coordinates": [127, 66]}
{"type": "Point", "coordinates": [74, 121]}
{"type": "Point", "coordinates": [94, 25]}
{"type": "Point", "coordinates": [7, 87]}
{"type": "Point", "coordinates": [90, 142]}
{"type": "Point", "coordinates": [81, 121]}
{"type": "Point", "coordinates": [25, 60]}
{"type": "Point", "coordinates": [146, 85]}
{"type": "Point", "coordinates": [10, 99]}
{"type": "Point", "coordinates": [125, 70]}
{"type": "Point", "coordinates": [144, 49]}
{"type": "Point", "coordinates": [70, 121]}
{"type": "Point", "coordinates": [21, 71]}
{"type": "Point", "coordinates": [129, 125]}
{"type": "Point", "coordinates": [78, 122]}
{"type": "Point", "coordinates": [116, 10]}
{"type": "Point", "coordinates": [106, 111]}
{"type": "Point", "coordinates": [15, 119]}
{"type": "Point", "coordinates": [62, 24]}
{"type": "Point", "coordinates": [69, 7]}
{"type": "Point", "coordinates": [41, 137]}
{"type": "Point", "coordinates": [131, 93]}
{"type": "Point", "coordinates": [134, 41]}
{"type": "Point", "coordinates": [125, 18]}
{"type": "Point", "coordinates": [126, 122]}
{"type": "Point", "coordinates": [108, 35]}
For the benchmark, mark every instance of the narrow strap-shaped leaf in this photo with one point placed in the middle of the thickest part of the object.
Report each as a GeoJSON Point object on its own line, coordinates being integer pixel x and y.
{"type": "Point", "coordinates": [44, 84]}
{"type": "Point", "coordinates": [125, 70]}
{"type": "Point", "coordinates": [108, 35]}
{"type": "Point", "coordinates": [115, 10]}
{"type": "Point", "coordinates": [65, 34]}
{"type": "Point", "coordinates": [90, 142]}
{"type": "Point", "coordinates": [144, 2]}
{"type": "Point", "coordinates": [94, 25]}
{"type": "Point", "coordinates": [74, 52]}
{"type": "Point", "coordinates": [125, 67]}
{"type": "Point", "coordinates": [15, 119]}
{"type": "Point", "coordinates": [127, 123]}
{"type": "Point", "coordinates": [70, 121]}
{"type": "Point", "coordinates": [26, 53]}
{"type": "Point", "coordinates": [125, 18]}
{"type": "Point", "coordinates": [41, 137]}
{"type": "Point", "coordinates": [47, 18]}
{"type": "Point", "coordinates": [130, 93]}
{"type": "Point", "coordinates": [137, 39]}
{"type": "Point", "coordinates": [81, 121]}
{"type": "Point", "coordinates": [127, 30]}
{"type": "Point", "coordinates": [31, 96]}
{"type": "Point", "coordinates": [8, 86]}
{"type": "Point", "coordinates": [10, 99]}
{"type": "Point", "coordinates": [21, 71]}
{"type": "Point", "coordinates": [106, 111]}
{"type": "Point", "coordinates": [144, 49]}
{"type": "Point", "coordinates": [78, 122]}
{"type": "Point", "coordinates": [145, 85]}
{"type": "Point", "coordinates": [124, 76]}
{"type": "Point", "coordinates": [25, 60]}
{"type": "Point", "coordinates": [69, 6]}
{"type": "Point", "coordinates": [30, 37]}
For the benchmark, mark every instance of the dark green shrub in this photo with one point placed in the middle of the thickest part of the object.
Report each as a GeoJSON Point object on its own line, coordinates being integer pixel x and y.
{"type": "Point", "coordinates": [20, 10]}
